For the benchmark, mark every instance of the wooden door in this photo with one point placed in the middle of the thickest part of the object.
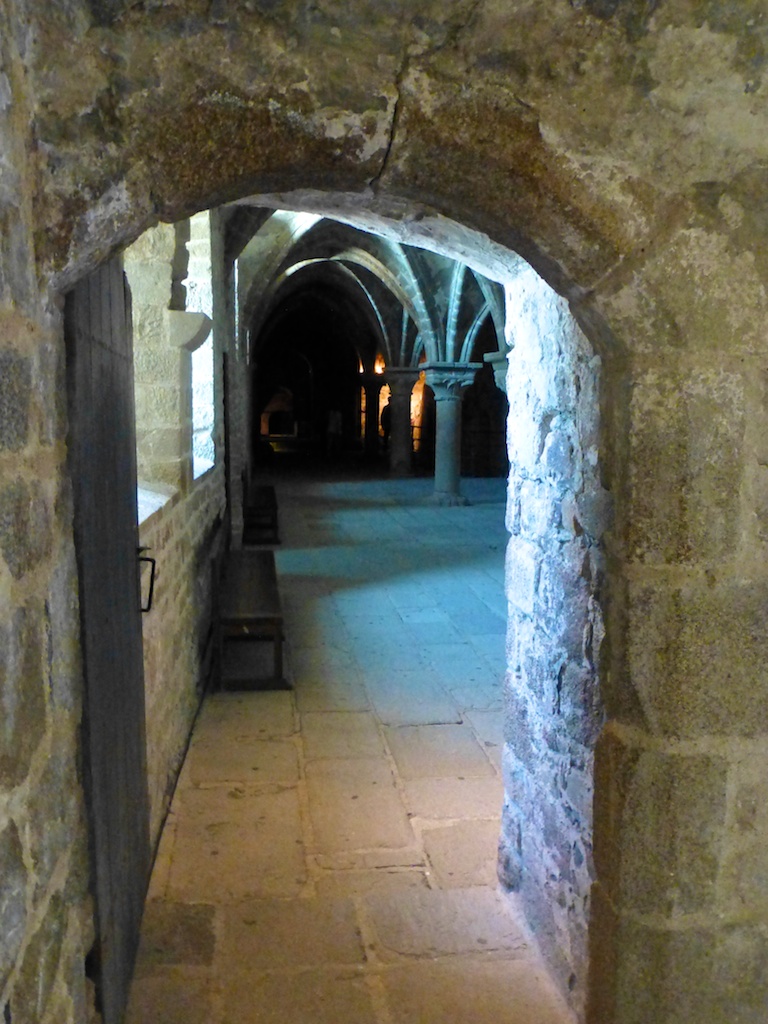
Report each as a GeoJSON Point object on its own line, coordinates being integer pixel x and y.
{"type": "Point", "coordinates": [102, 452]}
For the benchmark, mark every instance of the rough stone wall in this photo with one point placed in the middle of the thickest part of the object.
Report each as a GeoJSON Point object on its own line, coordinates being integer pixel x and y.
{"type": "Point", "coordinates": [680, 913]}
{"type": "Point", "coordinates": [45, 920]}
{"type": "Point", "coordinates": [183, 537]}
{"type": "Point", "coordinates": [621, 148]}
{"type": "Point", "coordinates": [557, 513]}
{"type": "Point", "coordinates": [185, 532]}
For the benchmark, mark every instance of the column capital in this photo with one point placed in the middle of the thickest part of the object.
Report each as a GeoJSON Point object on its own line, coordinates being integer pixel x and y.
{"type": "Point", "coordinates": [401, 378]}
{"type": "Point", "coordinates": [447, 380]}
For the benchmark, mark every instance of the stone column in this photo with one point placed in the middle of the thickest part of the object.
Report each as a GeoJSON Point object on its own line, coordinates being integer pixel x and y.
{"type": "Point", "coordinates": [372, 383]}
{"type": "Point", "coordinates": [401, 381]}
{"type": "Point", "coordinates": [447, 381]}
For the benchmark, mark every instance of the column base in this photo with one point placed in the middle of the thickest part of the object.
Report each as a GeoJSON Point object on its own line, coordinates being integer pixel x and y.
{"type": "Point", "coordinates": [446, 498]}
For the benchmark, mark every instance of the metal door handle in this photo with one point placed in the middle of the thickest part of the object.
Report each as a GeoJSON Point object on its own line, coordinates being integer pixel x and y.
{"type": "Point", "coordinates": [153, 563]}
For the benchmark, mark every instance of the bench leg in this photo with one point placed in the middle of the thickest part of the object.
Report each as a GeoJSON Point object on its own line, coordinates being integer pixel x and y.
{"type": "Point", "coordinates": [279, 652]}
{"type": "Point", "coordinates": [219, 658]}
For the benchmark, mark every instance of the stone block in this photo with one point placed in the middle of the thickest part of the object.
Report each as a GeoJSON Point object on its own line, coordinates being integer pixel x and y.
{"type": "Point", "coordinates": [658, 828]}
{"type": "Point", "coordinates": [697, 974]}
{"type": "Point", "coordinates": [40, 964]}
{"type": "Point", "coordinates": [62, 620]}
{"type": "Point", "coordinates": [510, 863]}
{"type": "Point", "coordinates": [521, 729]}
{"type": "Point", "coordinates": [579, 704]}
{"type": "Point", "coordinates": [15, 393]}
{"type": "Point", "coordinates": [687, 437]}
{"type": "Point", "coordinates": [538, 508]}
{"type": "Point", "coordinates": [563, 598]}
{"type": "Point", "coordinates": [51, 390]}
{"type": "Point", "coordinates": [25, 526]}
{"type": "Point", "coordinates": [594, 510]}
{"type": "Point", "coordinates": [22, 698]}
{"type": "Point", "coordinates": [743, 882]}
{"type": "Point", "coordinates": [697, 654]}
{"type": "Point", "coordinates": [13, 899]}
{"type": "Point", "coordinates": [559, 453]}
{"type": "Point", "coordinates": [521, 574]}
{"type": "Point", "coordinates": [54, 815]}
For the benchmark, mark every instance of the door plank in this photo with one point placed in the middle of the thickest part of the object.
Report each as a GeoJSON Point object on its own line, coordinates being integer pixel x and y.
{"type": "Point", "coordinates": [103, 470]}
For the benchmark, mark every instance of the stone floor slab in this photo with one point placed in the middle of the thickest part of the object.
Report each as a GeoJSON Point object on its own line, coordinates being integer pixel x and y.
{"type": "Point", "coordinates": [272, 934]}
{"type": "Point", "coordinates": [172, 995]}
{"type": "Point", "coordinates": [243, 760]}
{"type": "Point", "coordinates": [233, 844]}
{"type": "Point", "coordinates": [489, 727]}
{"type": "Point", "coordinates": [308, 997]}
{"type": "Point", "coordinates": [434, 923]}
{"type": "Point", "coordinates": [464, 853]}
{"type": "Point", "coordinates": [358, 883]}
{"type": "Point", "coordinates": [340, 734]}
{"type": "Point", "coordinates": [454, 798]}
{"type": "Point", "coordinates": [411, 698]}
{"type": "Point", "coordinates": [437, 751]}
{"type": "Point", "coordinates": [354, 805]}
{"type": "Point", "coordinates": [231, 716]}
{"type": "Point", "coordinates": [467, 991]}
{"type": "Point", "coordinates": [176, 933]}
{"type": "Point", "coordinates": [337, 692]}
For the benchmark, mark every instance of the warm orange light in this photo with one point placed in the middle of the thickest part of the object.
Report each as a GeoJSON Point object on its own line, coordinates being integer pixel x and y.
{"type": "Point", "coordinates": [379, 365]}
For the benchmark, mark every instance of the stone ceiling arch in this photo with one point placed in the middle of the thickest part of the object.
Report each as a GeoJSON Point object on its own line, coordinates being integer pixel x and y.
{"type": "Point", "coordinates": [341, 278]}
{"type": "Point", "coordinates": [402, 134]}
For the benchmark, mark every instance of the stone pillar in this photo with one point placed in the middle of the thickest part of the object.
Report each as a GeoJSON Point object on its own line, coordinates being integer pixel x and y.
{"type": "Point", "coordinates": [372, 383]}
{"type": "Point", "coordinates": [401, 381]}
{"type": "Point", "coordinates": [447, 381]}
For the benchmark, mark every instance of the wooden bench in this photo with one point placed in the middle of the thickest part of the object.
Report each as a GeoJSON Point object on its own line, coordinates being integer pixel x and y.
{"type": "Point", "coordinates": [259, 514]}
{"type": "Point", "coordinates": [249, 608]}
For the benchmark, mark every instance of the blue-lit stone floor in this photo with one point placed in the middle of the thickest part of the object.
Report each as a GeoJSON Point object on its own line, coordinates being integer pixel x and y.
{"type": "Point", "coordinates": [330, 855]}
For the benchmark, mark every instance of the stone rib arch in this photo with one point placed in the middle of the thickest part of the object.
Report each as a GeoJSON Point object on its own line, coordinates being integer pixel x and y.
{"type": "Point", "coordinates": [465, 355]}
{"type": "Point", "coordinates": [372, 313]}
{"type": "Point", "coordinates": [454, 304]}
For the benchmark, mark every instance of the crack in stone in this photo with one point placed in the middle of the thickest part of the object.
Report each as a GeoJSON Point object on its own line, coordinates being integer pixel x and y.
{"type": "Point", "coordinates": [452, 37]}
{"type": "Point", "coordinates": [393, 124]}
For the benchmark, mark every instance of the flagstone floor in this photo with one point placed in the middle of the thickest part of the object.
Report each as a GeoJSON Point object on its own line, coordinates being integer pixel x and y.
{"type": "Point", "coordinates": [329, 857]}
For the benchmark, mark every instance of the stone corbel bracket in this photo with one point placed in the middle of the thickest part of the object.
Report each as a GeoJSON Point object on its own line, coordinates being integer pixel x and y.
{"type": "Point", "coordinates": [187, 330]}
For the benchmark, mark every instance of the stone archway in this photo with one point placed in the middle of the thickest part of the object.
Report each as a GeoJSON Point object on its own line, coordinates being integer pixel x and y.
{"type": "Point", "coordinates": [622, 170]}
